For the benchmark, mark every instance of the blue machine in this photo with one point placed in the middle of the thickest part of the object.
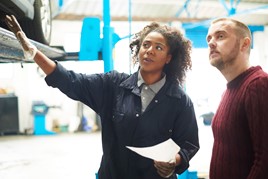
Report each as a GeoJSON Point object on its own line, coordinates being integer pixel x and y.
{"type": "Point", "coordinates": [39, 111]}
{"type": "Point", "coordinates": [91, 43]}
{"type": "Point", "coordinates": [188, 175]}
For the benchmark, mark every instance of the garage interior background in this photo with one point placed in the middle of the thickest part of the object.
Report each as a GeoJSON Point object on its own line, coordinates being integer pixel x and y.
{"type": "Point", "coordinates": [204, 84]}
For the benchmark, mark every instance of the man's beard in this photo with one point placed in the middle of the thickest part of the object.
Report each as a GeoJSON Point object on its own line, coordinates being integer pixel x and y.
{"type": "Point", "coordinates": [230, 58]}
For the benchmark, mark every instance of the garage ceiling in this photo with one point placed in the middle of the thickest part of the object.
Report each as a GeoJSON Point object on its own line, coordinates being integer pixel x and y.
{"type": "Point", "coordinates": [253, 12]}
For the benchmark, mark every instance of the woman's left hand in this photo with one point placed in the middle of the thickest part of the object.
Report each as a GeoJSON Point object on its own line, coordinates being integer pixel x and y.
{"type": "Point", "coordinates": [166, 169]}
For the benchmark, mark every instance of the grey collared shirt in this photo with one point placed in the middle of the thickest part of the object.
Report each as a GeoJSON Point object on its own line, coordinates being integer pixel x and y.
{"type": "Point", "coordinates": [148, 92]}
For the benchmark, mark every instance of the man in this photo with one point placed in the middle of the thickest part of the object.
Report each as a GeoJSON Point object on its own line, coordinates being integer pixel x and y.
{"type": "Point", "coordinates": [240, 125]}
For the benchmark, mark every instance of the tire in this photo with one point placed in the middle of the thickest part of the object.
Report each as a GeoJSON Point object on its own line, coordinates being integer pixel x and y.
{"type": "Point", "coordinates": [39, 29]}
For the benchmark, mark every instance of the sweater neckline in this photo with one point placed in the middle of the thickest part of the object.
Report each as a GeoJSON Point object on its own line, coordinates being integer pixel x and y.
{"type": "Point", "coordinates": [240, 78]}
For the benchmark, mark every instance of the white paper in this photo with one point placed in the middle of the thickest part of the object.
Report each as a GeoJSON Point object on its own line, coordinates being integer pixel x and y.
{"type": "Point", "coordinates": [162, 152]}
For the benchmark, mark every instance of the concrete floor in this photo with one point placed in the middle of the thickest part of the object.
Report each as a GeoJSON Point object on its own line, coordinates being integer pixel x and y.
{"type": "Point", "coordinates": [60, 156]}
{"type": "Point", "coordinates": [70, 156]}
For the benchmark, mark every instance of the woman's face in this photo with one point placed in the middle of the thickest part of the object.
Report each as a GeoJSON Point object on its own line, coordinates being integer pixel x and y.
{"type": "Point", "coordinates": [153, 53]}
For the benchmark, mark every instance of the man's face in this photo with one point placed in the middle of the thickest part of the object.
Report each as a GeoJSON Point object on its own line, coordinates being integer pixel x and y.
{"type": "Point", "coordinates": [223, 44]}
{"type": "Point", "coordinates": [153, 53]}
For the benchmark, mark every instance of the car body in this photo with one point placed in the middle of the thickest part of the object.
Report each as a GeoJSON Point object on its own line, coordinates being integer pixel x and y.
{"type": "Point", "coordinates": [34, 16]}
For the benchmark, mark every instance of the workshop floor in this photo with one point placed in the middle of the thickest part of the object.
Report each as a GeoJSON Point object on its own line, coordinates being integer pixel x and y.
{"type": "Point", "coordinates": [60, 156]}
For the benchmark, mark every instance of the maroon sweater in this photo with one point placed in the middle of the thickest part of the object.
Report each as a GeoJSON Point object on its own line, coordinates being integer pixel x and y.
{"type": "Point", "coordinates": [240, 129]}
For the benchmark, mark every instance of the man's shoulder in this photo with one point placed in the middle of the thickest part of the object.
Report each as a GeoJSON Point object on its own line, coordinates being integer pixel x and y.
{"type": "Point", "coordinates": [258, 79]}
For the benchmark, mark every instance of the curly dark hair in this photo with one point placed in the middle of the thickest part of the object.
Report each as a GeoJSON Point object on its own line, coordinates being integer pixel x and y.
{"type": "Point", "coordinates": [180, 49]}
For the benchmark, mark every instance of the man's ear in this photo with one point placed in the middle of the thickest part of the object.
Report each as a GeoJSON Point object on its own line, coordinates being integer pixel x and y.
{"type": "Point", "coordinates": [246, 44]}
